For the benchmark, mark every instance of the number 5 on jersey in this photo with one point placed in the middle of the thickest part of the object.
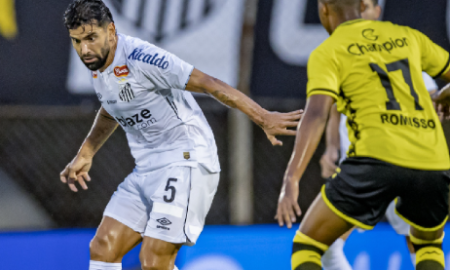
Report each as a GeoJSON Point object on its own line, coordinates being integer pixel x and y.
{"type": "Point", "coordinates": [172, 190]}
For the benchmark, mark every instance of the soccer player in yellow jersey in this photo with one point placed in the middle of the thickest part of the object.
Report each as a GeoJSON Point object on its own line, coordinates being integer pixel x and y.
{"type": "Point", "coordinates": [373, 71]}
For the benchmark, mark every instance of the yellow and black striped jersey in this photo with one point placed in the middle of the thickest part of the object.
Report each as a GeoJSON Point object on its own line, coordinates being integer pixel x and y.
{"type": "Point", "coordinates": [374, 70]}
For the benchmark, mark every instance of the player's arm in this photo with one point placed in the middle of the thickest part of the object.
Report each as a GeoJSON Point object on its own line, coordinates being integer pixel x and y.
{"type": "Point", "coordinates": [435, 62]}
{"type": "Point", "coordinates": [77, 170]}
{"type": "Point", "coordinates": [273, 123]}
{"type": "Point", "coordinates": [330, 157]}
{"type": "Point", "coordinates": [323, 90]}
{"type": "Point", "coordinates": [309, 132]}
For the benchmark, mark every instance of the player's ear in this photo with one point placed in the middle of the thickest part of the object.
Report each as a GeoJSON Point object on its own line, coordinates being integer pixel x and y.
{"type": "Point", "coordinates": [111, 29]}
{"type": "Point", "coordinates": [363, 6]}
{"type": "Point", "coordinates": [378, 11]}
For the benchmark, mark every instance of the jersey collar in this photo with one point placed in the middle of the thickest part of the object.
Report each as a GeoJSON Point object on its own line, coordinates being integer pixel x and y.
{"type": "Point", "coordinates": [351, 22]}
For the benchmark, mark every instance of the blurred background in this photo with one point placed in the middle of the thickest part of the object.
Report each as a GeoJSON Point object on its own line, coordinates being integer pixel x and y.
{"type": "Point", "coordinates": [47, 106]}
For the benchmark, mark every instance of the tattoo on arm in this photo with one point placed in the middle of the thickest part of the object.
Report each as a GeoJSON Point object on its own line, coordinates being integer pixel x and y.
{"type": "Point", "coordinates": [224, 98]}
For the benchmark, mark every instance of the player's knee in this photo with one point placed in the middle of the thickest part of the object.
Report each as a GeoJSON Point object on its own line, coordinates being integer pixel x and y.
{"type": "Point", "coordinates": [151, 261]}
{"type": "Point", "coordinates": [101, 249]}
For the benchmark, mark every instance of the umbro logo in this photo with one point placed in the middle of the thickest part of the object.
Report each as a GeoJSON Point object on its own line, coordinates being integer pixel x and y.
{"type": "Point", "coordinates": [164, 221]}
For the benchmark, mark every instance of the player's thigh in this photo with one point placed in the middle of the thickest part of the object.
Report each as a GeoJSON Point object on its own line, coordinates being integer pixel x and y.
{"type": "Point", "coordinates": [113, 240]}
{"type": "Point", "coordinates": [180, 203]}
{"type": "Point", "coordinates": [361, 191]}
{"type": "Point", "coordinates": [124, 221]}
{"type": "Point", "coordinates": [322, 224]}
{"type": "Point", "coordinates": [423, 203]}
{"type": "Point", "coordinates": [158, 254]}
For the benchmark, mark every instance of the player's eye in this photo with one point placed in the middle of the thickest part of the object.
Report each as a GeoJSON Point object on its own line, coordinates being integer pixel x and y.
{"type": "Point", "coordinates": [76, 41]}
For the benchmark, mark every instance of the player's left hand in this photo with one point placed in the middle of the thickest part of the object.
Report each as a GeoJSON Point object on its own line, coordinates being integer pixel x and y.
{"type": "Point", "coordinates": [288, 208]}
{"type": "Point", "coordinates": [275, 123]}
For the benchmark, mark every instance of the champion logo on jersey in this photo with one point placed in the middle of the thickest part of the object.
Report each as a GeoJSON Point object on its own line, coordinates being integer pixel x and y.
{"type": "Point", "coordinates": [126, 93]}
{"type": "Point", "coordinates": [121, 71]}
{"type": "Point", "coordinates": [94, 74]}
{"type": "Point", "coordinates": [138, 55]}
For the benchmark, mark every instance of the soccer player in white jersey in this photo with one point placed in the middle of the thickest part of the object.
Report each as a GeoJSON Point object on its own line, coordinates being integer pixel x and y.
{"type": "Point", "coordinates": [337, 144]}
{"type": "Point", "coordinates": [164, 201]}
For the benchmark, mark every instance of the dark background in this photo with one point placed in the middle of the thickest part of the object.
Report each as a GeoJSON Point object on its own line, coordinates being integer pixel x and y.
{"type": "Point", "coordinates": [36, 143]}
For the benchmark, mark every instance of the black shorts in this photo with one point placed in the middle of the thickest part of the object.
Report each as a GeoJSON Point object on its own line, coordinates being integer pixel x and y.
{"type": "Point", "coordinates": [364, 187]}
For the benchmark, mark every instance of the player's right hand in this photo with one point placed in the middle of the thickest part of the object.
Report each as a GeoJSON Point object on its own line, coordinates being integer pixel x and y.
{"type": "Point", "coordinates": [77, 170]}
{"type": "Point", "coordinates": [328, 163]}
{"type": "Point", "coordinates": [276, 123]}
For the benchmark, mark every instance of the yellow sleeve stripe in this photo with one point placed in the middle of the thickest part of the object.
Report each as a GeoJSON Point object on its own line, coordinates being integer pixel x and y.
{"type": "Point", "coordinates": [445, 69]}
{"type": "Point", "coordinates": [326, 92]}
{"type": "Point", "coordinates": [344, 216]}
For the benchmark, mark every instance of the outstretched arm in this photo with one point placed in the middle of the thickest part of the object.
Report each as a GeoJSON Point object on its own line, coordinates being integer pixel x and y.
{"type": "Point", "coordinates": [273, 123]}
{"type": "Point", "coordinates": [77, 170]}
{"type": "Point", "coordinates": [308, 137]}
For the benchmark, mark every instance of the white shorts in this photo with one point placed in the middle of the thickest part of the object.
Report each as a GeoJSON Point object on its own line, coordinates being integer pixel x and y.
{"type": "Point", "coordinates": [399, 225]}
{"type": "Point", "coordinates": [169, 204]}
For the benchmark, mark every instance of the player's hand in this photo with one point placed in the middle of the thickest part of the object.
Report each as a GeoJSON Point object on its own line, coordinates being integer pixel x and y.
{"type": "Point", "coordinates": [275, 123]}
{"type": "Point", "coordinates": [441, 100]}
{"type": "Point", "coordinates": [328, 163]}
{"type": "Point", "coordinates": [77, 170]}
{"type": "Point", "coordinates": [288, 208]}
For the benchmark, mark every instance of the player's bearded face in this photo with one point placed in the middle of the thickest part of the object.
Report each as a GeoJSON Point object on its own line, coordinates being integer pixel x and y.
{"type": "Point", "coordinates": [91, 44]}
{"type": "Point", "coordinates": [94, 61]}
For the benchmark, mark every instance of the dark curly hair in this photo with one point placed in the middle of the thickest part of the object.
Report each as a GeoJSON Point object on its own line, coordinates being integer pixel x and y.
{"type": "Point", "coordinates": [81, 12]}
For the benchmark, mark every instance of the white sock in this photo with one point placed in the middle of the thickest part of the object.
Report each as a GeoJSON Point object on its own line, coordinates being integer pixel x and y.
{"type": "Point", "coordinates": [334, 258]}
{"type": "Point", "coordinates": [95, 265]}
{"type": "Point", "coordinates": [413, 258]}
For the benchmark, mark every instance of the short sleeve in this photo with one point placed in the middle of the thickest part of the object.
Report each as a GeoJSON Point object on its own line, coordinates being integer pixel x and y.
{"type": "Point", "coordinates": [323, 74]}
{"type": "Point", "coordinates": [163, 69]}
{"type": "Point", "coordinates": [435, 60]}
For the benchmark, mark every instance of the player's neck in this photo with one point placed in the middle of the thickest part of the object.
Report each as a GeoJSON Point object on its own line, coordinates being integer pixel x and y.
{"type": "Point", "coordinates": [111, 55]}
{"type": "Point", "coordinates": [343, 17]}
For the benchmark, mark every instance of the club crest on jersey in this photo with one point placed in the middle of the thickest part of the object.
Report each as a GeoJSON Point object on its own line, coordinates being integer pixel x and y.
{"type": "Point", "coordinates": [153, 60]}
{"type": "Point", "coordinates": [94, 74]}
{"type": "Point", "coordinates": [121, 71]}
{"type": "Point", "coordinates": [126, 93]}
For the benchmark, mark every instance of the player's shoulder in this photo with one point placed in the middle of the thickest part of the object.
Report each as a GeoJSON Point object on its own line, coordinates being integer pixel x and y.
{"type": "Point", "coordinates": [324, 50]}
{"type": "Point", "coordinates": [394, 28]}
{"type": "Point", "coordinates": [141, 53]}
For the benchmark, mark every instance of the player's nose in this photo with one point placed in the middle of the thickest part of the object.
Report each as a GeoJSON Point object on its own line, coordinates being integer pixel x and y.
{"type": "Point", "coordinates": [84, 49]}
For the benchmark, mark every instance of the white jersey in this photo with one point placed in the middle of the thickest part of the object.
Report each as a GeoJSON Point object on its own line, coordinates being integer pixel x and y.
{"type": "Point", "coordinates": [430, 84]}
{"type": "Point", "coordinates": [143, 90]}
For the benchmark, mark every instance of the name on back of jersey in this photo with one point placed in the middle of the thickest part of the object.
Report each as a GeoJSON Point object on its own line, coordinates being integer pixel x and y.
{"type": "Point", "coordinates": [403, 120]}
{"type": "Point", "coordinates": [138, 55]}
